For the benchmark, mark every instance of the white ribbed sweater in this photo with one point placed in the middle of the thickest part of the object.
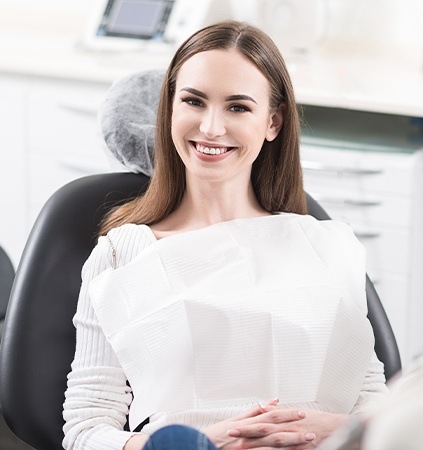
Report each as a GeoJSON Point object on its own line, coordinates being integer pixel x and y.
{"type": "Point", "coordinates": [262, 260]}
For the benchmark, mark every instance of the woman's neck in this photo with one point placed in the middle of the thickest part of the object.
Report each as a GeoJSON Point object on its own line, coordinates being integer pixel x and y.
{"type": "Point", "coordinates": [205, 204]}
{"type": "Point", "coordinates": [212, 205]}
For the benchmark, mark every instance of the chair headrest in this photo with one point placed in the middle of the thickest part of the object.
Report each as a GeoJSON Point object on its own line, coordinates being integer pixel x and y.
{"type": "Point", "coordinates": [127, 119]}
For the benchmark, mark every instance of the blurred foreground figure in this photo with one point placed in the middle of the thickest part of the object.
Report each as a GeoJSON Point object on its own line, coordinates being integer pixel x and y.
{"type": "Point", "coordinates": [397, 422]}
{"type": "Point", "coordinates": [394, 423]}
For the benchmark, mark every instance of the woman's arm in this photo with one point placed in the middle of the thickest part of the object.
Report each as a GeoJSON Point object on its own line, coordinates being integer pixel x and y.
{"type": "Point", "coordinates": [97, 398]}
{"type": "Point", "coordinates": [374, 386]}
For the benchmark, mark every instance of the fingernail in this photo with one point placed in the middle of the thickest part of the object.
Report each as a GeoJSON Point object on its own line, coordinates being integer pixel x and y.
{"type": "Point", "coordinates": [274, 401]}
{"type": "Point", "coordinates": [234, 433]}
{"type": "Point", "coordinates": [310, 436]}
{"type": "Point", "coordinates": [302, 414]}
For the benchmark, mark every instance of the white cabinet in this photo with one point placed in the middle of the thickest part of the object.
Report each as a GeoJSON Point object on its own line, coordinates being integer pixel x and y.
{"type": "Point", "coordinates": [63, 136]}
{"type": "Point", "coordinates": [50, 137]}
{"type": "Point", "coordinates": [378, 191]}
{"type": "Point", "coordinates": [13, 168]}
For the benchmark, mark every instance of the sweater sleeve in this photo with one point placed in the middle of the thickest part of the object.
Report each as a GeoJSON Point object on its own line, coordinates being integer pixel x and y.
{"type": "Point", "coordinates": [97, 398]}
{"type": "Point", "coordinates": [374, 387]}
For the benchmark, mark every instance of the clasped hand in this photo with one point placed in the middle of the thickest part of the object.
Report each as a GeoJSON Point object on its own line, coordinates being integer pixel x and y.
{"type": "Point", "coordinates": [267, 427]}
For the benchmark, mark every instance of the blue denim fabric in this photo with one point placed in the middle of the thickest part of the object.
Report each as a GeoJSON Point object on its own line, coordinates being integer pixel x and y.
{"type": "Point", "coordinates": [178, 437]}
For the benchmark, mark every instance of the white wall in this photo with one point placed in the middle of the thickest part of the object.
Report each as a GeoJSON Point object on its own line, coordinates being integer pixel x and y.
{"type": "Point", "coordinates": [381, 20]}
{"type": "Point", "coordinates": [380, 24]}
{"type": "Point", "coordinates": [368, 26]}
{"type": "Point", "coordinates": [373, 24]}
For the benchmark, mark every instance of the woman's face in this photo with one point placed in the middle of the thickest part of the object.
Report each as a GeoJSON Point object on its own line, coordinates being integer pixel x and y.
{"type": "Point", "coordinates": [221, 115]}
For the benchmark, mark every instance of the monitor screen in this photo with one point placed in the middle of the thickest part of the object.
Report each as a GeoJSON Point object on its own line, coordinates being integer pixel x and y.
{"type": "Point", "coordinates": [140, 19]}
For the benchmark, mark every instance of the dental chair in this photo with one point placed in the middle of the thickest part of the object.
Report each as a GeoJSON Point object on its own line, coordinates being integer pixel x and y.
{"type": "Point", "coordinates": [39, 338]}
{"type": "Point", "coordinates": [7, 275]}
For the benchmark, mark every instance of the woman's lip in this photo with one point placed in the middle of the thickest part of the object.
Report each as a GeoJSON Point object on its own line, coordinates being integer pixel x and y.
{"type": "Point", "coordinates": [211, 145]}
{"type": "Point", "coordinates": [210, 158]}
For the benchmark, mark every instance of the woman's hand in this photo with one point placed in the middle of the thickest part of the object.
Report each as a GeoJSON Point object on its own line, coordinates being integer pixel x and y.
{"type": "Point", "coordinates": [272, 429]}
{"type": "Point", "coordinates": [263, 427]}
{"type": "Point", "coordinates": [136, 442]}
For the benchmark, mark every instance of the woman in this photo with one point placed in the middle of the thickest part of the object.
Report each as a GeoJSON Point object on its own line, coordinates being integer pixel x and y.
{"type": "Point", "coordinates": [214, 295]}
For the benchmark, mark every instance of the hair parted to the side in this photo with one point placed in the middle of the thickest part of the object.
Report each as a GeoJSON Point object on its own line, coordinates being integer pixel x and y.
{"type": "Point", "coordinates": [276, 173]}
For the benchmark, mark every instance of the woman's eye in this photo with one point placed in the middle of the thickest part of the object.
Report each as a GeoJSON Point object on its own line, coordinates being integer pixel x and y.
{"type": "Point", "coordinates": [239, 108]}
{"type": "Point", "coordinates": [192, 101]}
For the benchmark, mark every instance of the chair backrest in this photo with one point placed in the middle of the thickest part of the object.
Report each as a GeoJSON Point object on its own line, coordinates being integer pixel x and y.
{"type": "Point", "coordinates": [7, 275]}
{"type": "Point", "coordinates": [39, 338]}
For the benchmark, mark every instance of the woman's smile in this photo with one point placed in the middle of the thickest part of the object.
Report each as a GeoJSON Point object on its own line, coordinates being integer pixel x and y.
{"type": "Point", "coordinates": [211, 152]}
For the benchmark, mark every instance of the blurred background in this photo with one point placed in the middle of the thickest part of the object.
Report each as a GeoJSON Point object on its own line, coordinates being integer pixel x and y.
{"type": "Point", "coordinates": [357, 69]}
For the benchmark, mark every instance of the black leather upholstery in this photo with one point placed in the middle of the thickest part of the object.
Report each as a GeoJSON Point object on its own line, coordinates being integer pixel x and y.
{"type": "Point", "coordinates": [7, 275]}
{"type": "Point", "coordinates": [39, 338]}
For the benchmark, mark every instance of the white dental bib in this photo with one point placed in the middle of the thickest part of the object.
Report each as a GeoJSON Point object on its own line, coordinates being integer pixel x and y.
{"type": "Point", "coordinates": [239, 312]}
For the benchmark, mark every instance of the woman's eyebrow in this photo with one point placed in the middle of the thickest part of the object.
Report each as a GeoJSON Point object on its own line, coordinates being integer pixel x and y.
{"type": "Point", "coordinates": [195, 92]}
{"type": "Point", "coordinates": [230, 98]}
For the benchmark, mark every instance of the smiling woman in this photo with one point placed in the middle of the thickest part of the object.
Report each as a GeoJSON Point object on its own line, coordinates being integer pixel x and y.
{"type": "Point", "coordinates": [213, 311]}
{"type": "Point", "coordinates": [228, 62]}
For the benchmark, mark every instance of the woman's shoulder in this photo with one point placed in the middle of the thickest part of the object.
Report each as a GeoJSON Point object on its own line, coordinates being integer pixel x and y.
{"type": "Point", "coordinates": [331, 239]}
{"type": "Point", "coordinates": [336, 245]}
{"type": "Point", "coordinates": [130, 233]}
{"type": "Point", "coordinates": [119, 246]}
{"type": "Point", "coordinates": [330, 229]}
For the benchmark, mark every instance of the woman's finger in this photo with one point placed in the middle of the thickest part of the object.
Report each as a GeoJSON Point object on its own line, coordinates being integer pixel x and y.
{"type": "Point", "coordinates": [258, 409]}
{"type": "Point", "coordinates": [254, 431]}
{"type": "Point", "coordinates": [274, 415]}
{"type": "Point", "coordinates": [292, 447]}
{"type": "Point", "coordinates": [282, 439]}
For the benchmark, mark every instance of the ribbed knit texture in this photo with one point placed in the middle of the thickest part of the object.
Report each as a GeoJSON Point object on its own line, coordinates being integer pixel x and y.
{"type": "Point", "coordinates": [150, 279]}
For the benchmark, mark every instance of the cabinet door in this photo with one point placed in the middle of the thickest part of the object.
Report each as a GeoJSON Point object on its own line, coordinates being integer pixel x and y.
{"type": "Point", "coordinates": [13, 168]}
{"type": "Point", "coordinates": [359, 171]}
{"type": "Point", "coordinates": [63, 117]}
{"type": "Point", "coordinates": [64, 137]}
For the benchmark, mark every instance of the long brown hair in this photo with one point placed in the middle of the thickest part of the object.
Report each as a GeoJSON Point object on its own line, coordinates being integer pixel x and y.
{"type": "Point", "coordinates": [276, 174]}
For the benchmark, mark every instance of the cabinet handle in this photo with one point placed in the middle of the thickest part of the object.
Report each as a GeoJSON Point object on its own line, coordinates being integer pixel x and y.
{"type": "Point", "coordinates": [353, 202]}
{"type": "Point", "coordinates": [86, 110]}
{"type": "Point", "coordinates": [345, 201]}
{"type": "Point", "coordinates": [367, 234]}
{"type": "Point", "coordinates": [320, 167]}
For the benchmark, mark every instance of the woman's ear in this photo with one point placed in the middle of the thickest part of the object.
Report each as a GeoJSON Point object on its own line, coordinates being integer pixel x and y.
{"type": "Point", "coordinates": [275, 123]}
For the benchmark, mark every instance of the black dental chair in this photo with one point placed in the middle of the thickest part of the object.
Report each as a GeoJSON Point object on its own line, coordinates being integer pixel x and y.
{"type": "Point", "coordinates": [39, 338]}
{"type": "Point", "coordinates": [7, 275]}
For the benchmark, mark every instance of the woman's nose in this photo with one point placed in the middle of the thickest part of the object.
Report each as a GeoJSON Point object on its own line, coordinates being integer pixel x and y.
{"type": "Point", "coordinates": [213, 124]}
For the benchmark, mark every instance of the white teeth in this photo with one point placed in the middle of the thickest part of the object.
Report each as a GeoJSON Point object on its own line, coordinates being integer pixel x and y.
{"type": "Point", "coordinates": [211, 150]}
